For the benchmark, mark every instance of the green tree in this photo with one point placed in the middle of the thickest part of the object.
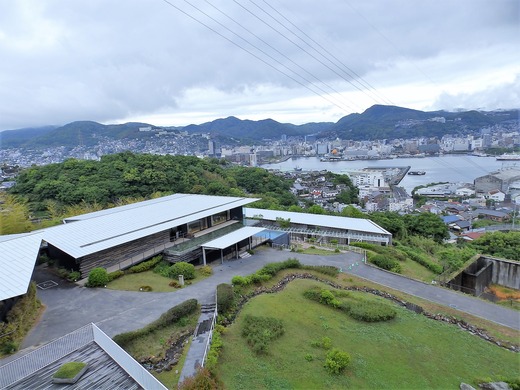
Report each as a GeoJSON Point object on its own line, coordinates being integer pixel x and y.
{"type": "Point", "coordinates": [427, 225]}
{"type": "Point", "coordinates": [14, 215]}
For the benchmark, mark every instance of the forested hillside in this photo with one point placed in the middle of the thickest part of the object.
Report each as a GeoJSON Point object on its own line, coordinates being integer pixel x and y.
{"type": "Point", "coordinates": [126, 175]}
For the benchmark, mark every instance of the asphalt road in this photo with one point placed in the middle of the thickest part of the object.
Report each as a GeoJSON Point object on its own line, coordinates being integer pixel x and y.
{"type": "Point", "coordinates": [69, 307]}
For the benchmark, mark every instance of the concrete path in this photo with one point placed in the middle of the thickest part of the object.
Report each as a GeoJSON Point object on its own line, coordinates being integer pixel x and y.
{"type": "Point", "coordinates": [69, 307]}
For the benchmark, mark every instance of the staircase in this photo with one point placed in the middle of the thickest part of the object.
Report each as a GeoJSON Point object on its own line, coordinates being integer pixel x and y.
{"type": "Point", "coordinates": [244, 255]}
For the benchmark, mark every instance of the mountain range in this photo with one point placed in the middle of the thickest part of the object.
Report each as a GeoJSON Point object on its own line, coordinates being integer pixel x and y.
{"type": "Point", "coordinates": [377, 122]}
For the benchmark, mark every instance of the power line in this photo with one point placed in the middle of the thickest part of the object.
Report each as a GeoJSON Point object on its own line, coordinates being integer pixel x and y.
{"type": "Point", "coordinates": [253, 54]}
{"type": "Point", "coordinates": [278, 51]}
{"type": "Point", "coordinates": [298, 45]}
{"type": "Point", "coordinates": [347, 70]}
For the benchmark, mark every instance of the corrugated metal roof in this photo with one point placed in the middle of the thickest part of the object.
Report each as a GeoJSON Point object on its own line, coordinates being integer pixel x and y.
{"type": "Point", "coordinates": [91, 233]}
{"type": "Point", "coordinates": [18, 254]}
{"type": "Point", "coordinates": [233, 237]}
{"type": "Point", "coordinates": [330, 221]}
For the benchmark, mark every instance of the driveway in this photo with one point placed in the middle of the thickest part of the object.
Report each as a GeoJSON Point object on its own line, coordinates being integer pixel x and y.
{"type": "Point", "coordinates": [69, 307]}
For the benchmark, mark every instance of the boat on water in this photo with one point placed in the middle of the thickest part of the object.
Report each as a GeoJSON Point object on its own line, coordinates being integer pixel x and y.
{"type": "Point", "coordinates": [509, 157]}
{"type": "Point", "coordinates": [417, 173]}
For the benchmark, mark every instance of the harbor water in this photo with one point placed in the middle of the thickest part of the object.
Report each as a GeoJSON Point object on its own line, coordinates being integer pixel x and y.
{"type": "Point", "coordinates": [448, 168]}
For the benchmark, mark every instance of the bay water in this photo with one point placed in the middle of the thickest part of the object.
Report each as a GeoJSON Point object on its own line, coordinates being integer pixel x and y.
{"type": "Point", "coordinates": [447, 168]}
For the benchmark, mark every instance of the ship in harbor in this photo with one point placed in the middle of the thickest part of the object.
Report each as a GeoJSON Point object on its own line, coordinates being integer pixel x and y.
{"type": "Point", "coordinates": [417, 173]}
{"type": "Point", "coordinates": [509, 157]}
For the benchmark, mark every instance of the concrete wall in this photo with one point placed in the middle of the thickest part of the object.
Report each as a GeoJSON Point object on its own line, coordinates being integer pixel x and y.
{"type": "Point", "coordinates": [484, 271]}
{"type": "Point", "coordinates": [506, 273]}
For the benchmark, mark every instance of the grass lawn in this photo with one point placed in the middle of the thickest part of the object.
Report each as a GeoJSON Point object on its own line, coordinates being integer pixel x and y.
{"type": "Point", "coordinates": [158, 283]}
{"type": "Point", "coordinates": [409, 352]}
{"type": "Point", "coordinates": [416, 271]}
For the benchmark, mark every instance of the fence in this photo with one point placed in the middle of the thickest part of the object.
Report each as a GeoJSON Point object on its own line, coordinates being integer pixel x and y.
{"type": "Point", "coordinates": [210, 337]}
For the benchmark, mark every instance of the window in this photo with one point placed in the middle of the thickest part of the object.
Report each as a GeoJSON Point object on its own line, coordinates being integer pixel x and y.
{"type": "Point", "coordinates": [220, 218]}
{"type": "Point", "coordinates": [197, 226]}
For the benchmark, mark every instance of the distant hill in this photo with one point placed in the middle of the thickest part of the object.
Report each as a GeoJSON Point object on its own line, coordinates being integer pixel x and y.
{"type": "Point", "coordinates": [255, 130]}
{"type": "Point", "coordinates": [392, 122]}
{"type": "Point", "coordinates": [17, 138]}
{"type": "Point", "coordinates": [73, 134]}
{"type": "Point", "coordinates": [377, 122]}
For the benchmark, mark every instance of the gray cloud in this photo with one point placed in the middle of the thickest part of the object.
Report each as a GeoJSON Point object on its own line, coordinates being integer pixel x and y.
{"type": "Point", "coordinates": [116, 61]}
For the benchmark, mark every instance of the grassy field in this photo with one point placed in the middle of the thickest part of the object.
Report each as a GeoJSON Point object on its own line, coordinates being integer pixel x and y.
{"type": "Point", "coordinates": [409, 352]}
{"type": "Point", "coordinates": [158, 283]}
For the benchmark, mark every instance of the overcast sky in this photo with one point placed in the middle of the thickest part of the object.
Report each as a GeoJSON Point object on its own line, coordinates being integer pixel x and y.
{"type": "Point", "coordinates": [116, 61]}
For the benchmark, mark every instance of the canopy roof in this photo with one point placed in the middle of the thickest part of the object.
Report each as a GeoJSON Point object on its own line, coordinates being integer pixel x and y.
{"type": "Point", "coordinates": [232, 238]}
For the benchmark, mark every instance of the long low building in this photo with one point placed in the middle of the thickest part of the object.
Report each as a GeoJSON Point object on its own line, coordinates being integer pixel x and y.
{"type": "Point", "coordinates": [344, 230]}
{"type": "Point", "coordinates": [178, 225]}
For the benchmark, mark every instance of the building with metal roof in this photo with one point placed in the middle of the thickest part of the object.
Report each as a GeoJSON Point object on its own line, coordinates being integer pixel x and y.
{"type": "Point", "coordinates": [122, 236]}
{"type": "Point", "coordinates": [500, 180]}
{"type": "Point", "coordinates": [320, 227]}
{"type": "Point", "coordinates": [108, 365]}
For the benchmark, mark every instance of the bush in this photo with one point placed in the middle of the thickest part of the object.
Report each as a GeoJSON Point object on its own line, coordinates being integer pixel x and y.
{"type": "Point", "coordinates": [206, 270]}
{"type": "Point", "coordinates": [203, 379]}
{"type": "Point", "coordinates": [225, 298]}
{"type": "Point", "coordinates": [368, 311]}
{"type": "Point", "coordinates": [173, 315]}
{"type": "Point", "coordinates": [309, 357]}
{"type": "Point", "coordinates": [384, 262]}
{"type": "Point", "coordinates": [336, 361]}
{"type": "Point", "coordinates": [97, 277]}
{"type": "Point", "coordinates": [163, 269]}
{"type": "Point", "coordinates": [145, 265]}
{"type": "Point", "coordinates": [145, 288]}
{"type": "Point", "coordinates": [175, 284]}
{"type": "Point", "coordinates": [114, 275]}
{"type": "Point", "coordinates": [259, 331]}
{"type": "Point", "coordinates": [182, 268]}
{"type": "Point", "coordinates": [74, 276]}
{"type": "Point", "coordinates": [239, 280]}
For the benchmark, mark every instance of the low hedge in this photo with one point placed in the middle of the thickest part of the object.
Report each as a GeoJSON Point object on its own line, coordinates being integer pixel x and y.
{"type": "Point", "coordinates": [384, 262]}
{"type": "Point", "coordinates": [171, 316]}
{"type": "Point", "coordinates": [358, 308]}
{"type": "Point", "coordinates": [367, 311]}
{"type": "Point", "coordinates": [145, 265]}
{"type": "Point", "coordinates": [328, 270]}
{"type": "Point", "coordinates": [266, 272]}
{"type": "Point", "coordinates": [114, 275]}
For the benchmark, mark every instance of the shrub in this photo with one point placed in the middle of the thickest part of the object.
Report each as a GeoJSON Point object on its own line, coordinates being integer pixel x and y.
{"type": "Point", "coordinates": [215, 348]}
{"type": "Point", "coordinates": [74, 275]}
{"type": "Point", "coordinates": [203, 379]}
{"type": "Point", "coordinates": [145, 265]}
{"type": "Point", "coordinates": [423, 260]}
{"type": "Point", "coordinates": [173, 315]}
{"type": "Point", "coordinates": [239, 280]}
{"type": "Point", "coordinates": [175, 284]}
{"type": "Point", "coordinates": [163, 269]}
{"type": "Point", "coordinates": [182, 268]}
{"type": "Point", "coordinates": [368, 311]}
{"type": "Point", "coordinates": [225, 298]}
{"type": "Point", "coordinates": [309, 357]}
{"type": "Point", "coordinates": [114, 275]}
{"type": "Point", "coordinates": [145, 288]}
{"type": "Point", "coordinates": [206, 270]}
{"type": "Point", "coordinates": [336, 361]}
{"type": "Point", "coordinates": [259, 331]}
{"type": "Point", "coordinates": [97, 277]}
{"type": "Point", "coordinates": [384, 262]}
